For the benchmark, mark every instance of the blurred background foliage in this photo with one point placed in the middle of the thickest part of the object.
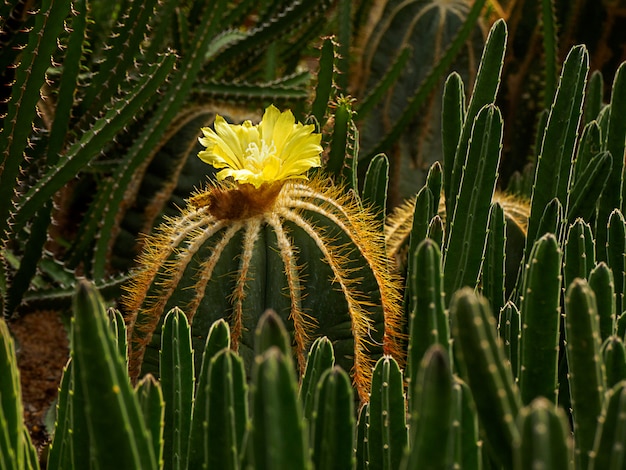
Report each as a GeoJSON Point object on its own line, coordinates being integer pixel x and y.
{"type": "Point", "coordinates": [102, 101]}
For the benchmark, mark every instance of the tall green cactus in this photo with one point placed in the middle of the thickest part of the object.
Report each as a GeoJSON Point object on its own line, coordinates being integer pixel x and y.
{"type": "Point", "coordinates": [540, 316]}
{"type": "Point", "coordinates": [489, 376]}
{"type": "Point", "coordinates": [586, 370]}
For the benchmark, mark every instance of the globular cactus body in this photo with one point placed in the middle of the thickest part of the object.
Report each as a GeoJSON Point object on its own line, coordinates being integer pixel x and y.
{"type": "Point", "coordinates": [304, 249]}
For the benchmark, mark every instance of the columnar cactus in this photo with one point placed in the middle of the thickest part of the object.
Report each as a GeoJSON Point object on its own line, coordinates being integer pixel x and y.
{"type": "Point", "coordinates": [265, 236]}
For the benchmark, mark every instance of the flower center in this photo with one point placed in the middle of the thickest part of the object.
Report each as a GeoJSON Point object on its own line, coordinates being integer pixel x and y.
{"type": "Point", "coordinates": [257, 158]}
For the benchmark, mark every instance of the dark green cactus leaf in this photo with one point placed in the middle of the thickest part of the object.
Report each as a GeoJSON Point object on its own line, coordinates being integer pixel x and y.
{"type": "Point", "coordinates": [152, 406]}
{"type": "Point", "coordinates": [465, 447]}
{"type": "Point", "coordinates": [374, 192]}
{"type": "Point", "coordinates": [550, 50]}
{"type": "Point", "coordinates": [580, 255]}
{"type": "Point", "coordinates": [118, 326]}
{"type": "Point", "coordinates": [428, 319]}
{"type": "Point", "coordinates": [60, 454]}
{"type": "Point", "coordinates": [431, 413]}
{"type": "Point", "coordinates": [110, 402]}
{"type": "Point", "coordinates": [22, 105]}
{"type": "Point", "coordinates": [593, 99]}
{"type": "Point", "coordinates": [220, 414]}
{"type": "Point", "coordinates": [482, 365]}
{"type": "Point", "coordinates": [435, 230]}
{"type": "Point", "coordinates": [321, 358]}
{"type": "Point", "coordinates": [177, 383]}
{"type": "Point", "coordinates": [554, 161]}
{"type": "Point", "coordinates": [277, 438]}
{"type": "Point", "coordinates": [601, 282]}
{"type": "Point", "coordinates": [509, 327]}
{"type": "Point", "coordinates": [586, 370]}
{"type": "Point", "coordinates": [545, 437]}
{"type": "Point", "coordinates": [386, 430]}
{"type": "Point", "coordinates": [483, 94]}
{"type": "Point", "coordinates": [494, 264]}
{"type": "Point", "coordinates": [271, 332]}
{"type": "Point", "coordinates": [589, 145]}
{"type": "Point", "coordinates": [123, 48]}
{"type": "Point", "coordinates": [423, 212]}
{"type": "Point", "coordinates": [217, 339]}
{"type": "Point", "coordinates": [434, 181]}
{"type": "Point", "coordinates": [608, 450]}
{"type": "Point", "coordinates": [615, 145]}
{"type": "Point", "coordinates": [362, 457]}
{"type": "Point", "coordinates": [552, 220]}
{"type": "Point", "coordinates": [467, 228]}
{"type": "Point", "coordinates": [616, 256]}
{"type": "Point", "coordinates": [134, 162]}
{"type": "Point", "coordinates": [92, 141]}
{"type": "Point", "coordinates": [332, 426]}
{"type": "Point", "coordinates": [589, 187]}
{"type": "Point", "coordinates": [343, 153]}
{"type": "Point", "coordinates": [12, 444]}
{"type": "Point", "coordinates": [614, 358]}
{"type": "Point", "coordinates": [324, 85]}
{"type": "Point", "coordinates": [452, 119]}
{"type": "Point", "coordinates": [540, 315]}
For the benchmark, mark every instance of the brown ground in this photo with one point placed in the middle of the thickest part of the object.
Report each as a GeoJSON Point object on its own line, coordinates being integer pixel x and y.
{"type": "Point", "coordinates": [42, 352]}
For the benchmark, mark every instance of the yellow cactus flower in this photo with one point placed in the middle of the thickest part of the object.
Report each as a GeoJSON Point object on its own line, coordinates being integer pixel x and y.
{"type": "Point", "coordinates": [276, 149]}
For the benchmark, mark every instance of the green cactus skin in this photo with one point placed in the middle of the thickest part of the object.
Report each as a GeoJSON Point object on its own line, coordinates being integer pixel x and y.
{"type": "Point", "coordinates": [428, 319]}
{"type": "Point", "coordinates": [60, 454]}
{"type": "Point", "coordinates": [554, 160]}
{"type": "Point", "coordinates": [545, 437]}
{"type": "Point", "coordinates": [435, 230]}
{"type": "Point", "coordinates": [540, 315]}
{"type": "Point", "coordinates": [614, 359]}
{"type": "Point", "coordinates": [110, 403]}
{"type": "Point", "coordinates": [386, 429]}
{"type": "Point", "coordinates": [277, 438]}
{"type": "Point", "coordinates": [586, 370]}
{"type": "Point", "coordinates": [177, 382]}
{"type": "Point", "coordinates": [594, 96]}
{"type": "Point", "coordinates": [588, 187]}
{"type": "Point", "coordinates": [467, 228]}
{"type": "Point", "coordinates": [315, 257]}
{"type": "Point", "coordinates": [608, 450]}
{"type": "Point", "coordinates": [332, 428]}
{"type": "Point", "coordinates": [321, 358]}
{"type": "Point", "coordinates": [118, 326]}
{"type": "Point", "coordinates": [465, 442]}
{"type": "Point", "coordinates": [375, 185]}
{"type": "Point", "coordinates": [217, 339]}
{"type": "Point", "coordinates": [601, 282]}
{"type": "Point", "coordinates": [220, 414]}
{"type": "Point", "coordinates": [616, 255]}
{"type": "Point", "coordinates": [580, 255]}
{"type": "Point", "coordinates": [452, 119]}
{"type": "Point", "coordinates": [552, 220]}
{"type": "Point", "coordinates": [484, 93]}
{"type": "Point", "coordinates": [431, 413]}
{"type": "Point", "coordinates": [483, 366]}
{"type": "Point", "coordinates": [14, 447]}
{"type": "Point", "coordinates": [509, 327]}
{"type": "Point", "coordinates": [494, 265]}
{"type": "Point", "coordinates": [152, 406]}
{"type": "Point", "coordinates": [434, 182]}
{"type": "Point", "coordinates": [361, 447]}
{"type": "Point", "coordinates": [270, 332]}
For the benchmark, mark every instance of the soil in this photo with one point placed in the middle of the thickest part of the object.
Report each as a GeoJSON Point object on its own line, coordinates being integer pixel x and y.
{"type": "Point", "coordinates": [42, 352]}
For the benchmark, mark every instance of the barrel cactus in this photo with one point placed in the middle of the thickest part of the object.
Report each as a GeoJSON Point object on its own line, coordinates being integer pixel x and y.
{"type": "Point", "coordinates": [262, 236]}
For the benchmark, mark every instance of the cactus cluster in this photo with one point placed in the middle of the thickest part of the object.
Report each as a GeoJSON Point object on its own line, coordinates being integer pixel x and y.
{"type": "Point", "coordinates": [280, 319]}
